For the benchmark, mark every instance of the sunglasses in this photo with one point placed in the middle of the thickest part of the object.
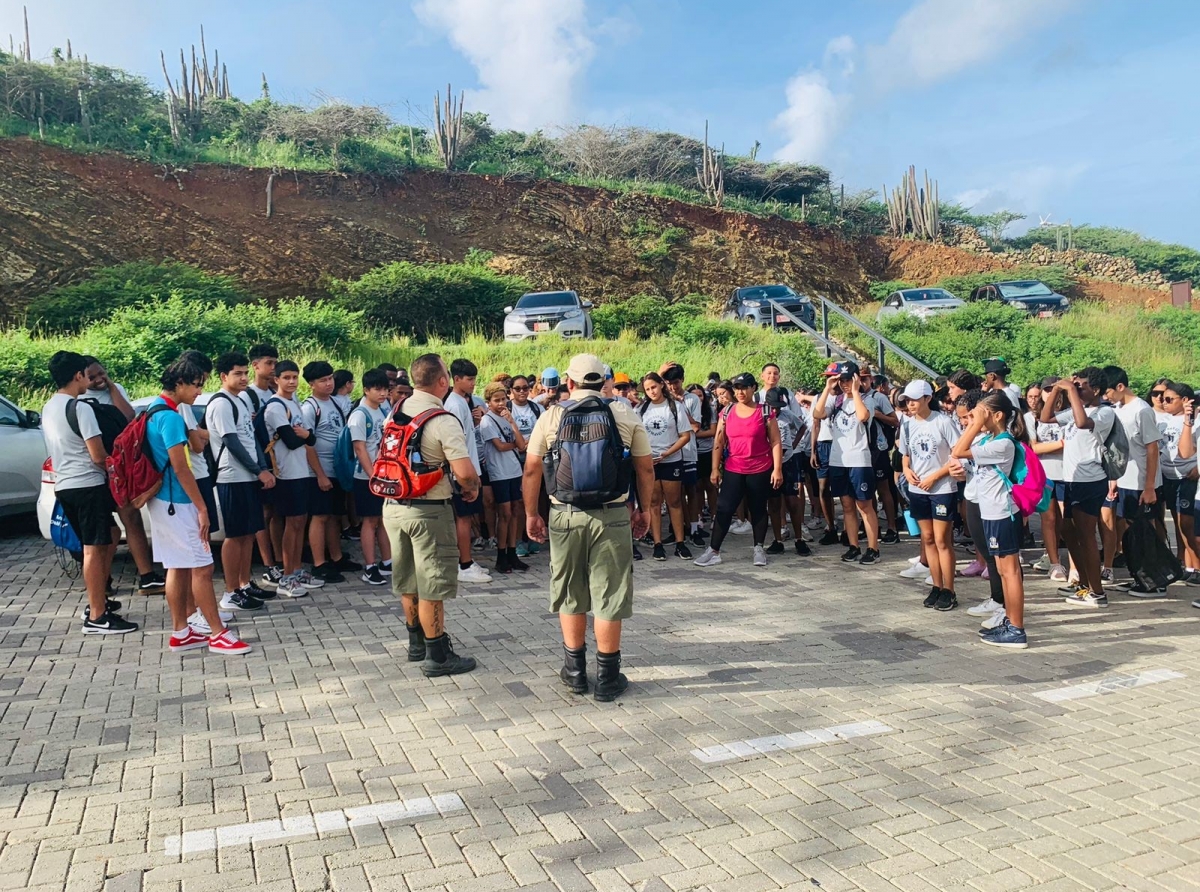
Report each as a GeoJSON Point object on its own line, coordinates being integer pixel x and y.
{"type": "Point", "coordinates": [521, 389]}
{"type": "Point", "coordinates": [1171, 399]}
{"type": "Point", "coordinates": [1157, 394]}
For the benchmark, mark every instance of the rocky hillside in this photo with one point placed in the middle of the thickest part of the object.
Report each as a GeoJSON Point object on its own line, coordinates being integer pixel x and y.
{"type": "Point", "coordinates": [63, 214]}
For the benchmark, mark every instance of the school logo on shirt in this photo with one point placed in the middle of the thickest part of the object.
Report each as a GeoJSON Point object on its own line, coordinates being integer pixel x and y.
{"type": "Point", "coordinates": [657, 425]}
{"type": "Point", "coordinates": [847, 421]}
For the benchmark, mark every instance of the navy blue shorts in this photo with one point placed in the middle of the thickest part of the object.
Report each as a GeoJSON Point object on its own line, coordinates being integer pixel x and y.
{"type": "Point", "coordinates": [205, 485]}
{"type": "Point", "coordinates": [366, 503]}
{"type": "Point", "coordinates": [241, 508]}
{"type": "Point", "coordinates": [1003, 536]}
{"type": "Point", "coordinates": [291, 497]}
{"type": "Point", "coordinates": [508, 490]}
{"type": "Point", "coordinates": [324, 502]}
{"type": "Point", "coordinates": [823, 448]}
{"type": "Point", "coordinates": [1178, 495]}
{"type": "Point", "coordinates": [1129, 505]}
{"type": "Point", "coordinates": [793, 476]}
{"type": "Point", "coordinates": [690, 473]}
{"type": "Point", "coordinates": [856, 482]}
{"type": "Point", "coordinates": [467, 509]}
{"type": "Point", "coordinates": [670, 472]}
{"type": "Point", "coordinates": [1087, 498]}
{"type": "Point", "coordinates": [927, 506]}
{"type": "Point", "coordinates": [882, 463]}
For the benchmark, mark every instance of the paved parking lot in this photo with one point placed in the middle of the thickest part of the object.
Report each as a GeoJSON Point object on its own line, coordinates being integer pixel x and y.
{"type": "Point", "coordinates": [799, 727]}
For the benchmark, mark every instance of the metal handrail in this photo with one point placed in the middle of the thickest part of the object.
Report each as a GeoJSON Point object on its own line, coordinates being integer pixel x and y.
{"type": "Point", "coordinates": [831, 347]}
{"type": "Point", "coordinates": [882, 344]}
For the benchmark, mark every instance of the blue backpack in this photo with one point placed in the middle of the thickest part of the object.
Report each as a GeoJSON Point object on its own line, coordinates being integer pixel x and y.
{"type": "Point", "coordinates": [588, 466]}
{"type": "Point", "coordinates": [345, 462]}
{"type": "Point", "coordinates": [62, 534]}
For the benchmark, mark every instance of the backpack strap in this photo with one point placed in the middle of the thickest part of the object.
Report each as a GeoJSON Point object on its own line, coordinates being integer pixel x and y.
{"type": "Point", "coordinates": [255, 400]}
{"type": "Point", "coordinates": [72, 413]}
{"type": "Point", "coordinates": [316, 409]}
{"type": "Point", "coordinates": [232, 403]}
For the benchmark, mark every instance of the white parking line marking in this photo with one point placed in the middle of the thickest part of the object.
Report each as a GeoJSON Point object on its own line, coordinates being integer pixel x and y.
{"type": "Point", "coordinates": [305, 825]}
{"type": "Point", "coordinates": [743, 749]}
{"type": "Point", "coordinates": [1108, 685]}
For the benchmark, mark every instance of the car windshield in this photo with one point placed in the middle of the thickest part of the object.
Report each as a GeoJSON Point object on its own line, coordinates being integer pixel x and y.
{"type": "Point", "coordinates": [927, 294]}
{"type": "Point", "coordinates": [1024, 289]}
{"type": "Point", "coordinates": [766, 292]}
{"type": "Point", "coordinates": [551, 300]}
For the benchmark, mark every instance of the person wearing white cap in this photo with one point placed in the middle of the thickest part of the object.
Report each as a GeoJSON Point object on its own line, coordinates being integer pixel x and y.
{"type": "Point", "coordinates": [588, 450]}
{"type": "Point", "coordinates": [926, 440]}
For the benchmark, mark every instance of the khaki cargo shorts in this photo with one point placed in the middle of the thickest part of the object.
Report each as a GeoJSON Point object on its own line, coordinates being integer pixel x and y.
{"type": "Point", "coordinates": [591, 562]}
{"type": "Point", "coordinates": [424, 550]}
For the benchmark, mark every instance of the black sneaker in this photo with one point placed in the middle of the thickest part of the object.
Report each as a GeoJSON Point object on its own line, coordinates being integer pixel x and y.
{"type": "Point", "coordinates": [328, 572]}
{"type": "Point", "coordinates": [110, 606]}
{"type": "Point", "coordinates": [517, 564]}
{"type": "Point", "coordinates": [862, 535]}
{"type": "Point", "coordinates": [830, 538]}
{"type": "Point", "coordinates": [637, 554]}
{"type": "Point", "coordinates": [852, 554]}
{"type": "Point", "coordinates": [844, 539]}
{"type": "Point", "coordinates": [870, 556]}
{"type": "Point", "coordinates": [109, 624]}
{"type": "Point", "coordinates": [272, 576]}
{"type": "Point", "coordinates": [931, 599]}
{"type": "Point", "coordinates": [660, 553]}
{"type": "Point", "coordinates": [891, 537]}
{"type": "Point", "coordinates": [240, 601]}
{"type": "Point", "coordinates": [1027, 541]}
{"type": "Point", "coordinates": [344, 563]}
{"type": "Point", "coordinates": [372, 576]}
{"type": "Point", "coordinates": [151, 584]}
{"type": "Point", "coordinates": [352, 534]}
{"type": "Point", "coordinates": [1192, 578]}
{"type": "Point", "coordinates": [1119, 561]}
{"type": "Point", "coordinates": [947, 600]}
{"type": "Point", "coordinates": [682, 551]}
{"type": "Point", "coordinates": [775, 547]}
{"type": "Point", "coordinates": [698, 538]}
{"type": "Point", "coordinates": [802, 548]}
{"type": "Point", "coordinates": [668, 537]}
{"type": "Point", "coordinates": [257, 593]}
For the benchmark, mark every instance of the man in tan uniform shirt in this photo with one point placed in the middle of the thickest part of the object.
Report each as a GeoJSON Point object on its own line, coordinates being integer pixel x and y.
{"type": "Point", "coordinates": [421, 531]}
{"type": "Point", "coordinates": [591, 549]}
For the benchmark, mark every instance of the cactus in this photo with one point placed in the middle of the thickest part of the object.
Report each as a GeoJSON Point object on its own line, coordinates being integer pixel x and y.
{"type": "Point", "coordinates": [448, 126]}
{"type": "Point", "coordinates": [711, 173]}
{"type": "Point", "coordinates": [912, 209]}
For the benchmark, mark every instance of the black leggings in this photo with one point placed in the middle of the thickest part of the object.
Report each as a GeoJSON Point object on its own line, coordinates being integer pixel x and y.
{"type": "Point", "coordinates": [975, 528]}
{"type": "Point", "coordinates": [755, 489]}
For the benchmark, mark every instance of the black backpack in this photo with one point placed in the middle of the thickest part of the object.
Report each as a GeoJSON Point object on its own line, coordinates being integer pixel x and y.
{"type": "Point", "coordinates": [203, 424]}
{"type": "Point", "coordinates": [110, 419]}
{"type": "Point", "coordinates": [588, 466]}
{"type": "Point", "coordinates": [1149, 560]}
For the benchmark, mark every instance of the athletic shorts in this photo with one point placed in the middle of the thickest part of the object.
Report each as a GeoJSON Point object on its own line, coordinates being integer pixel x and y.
{"type": "Point", "coordinates": [704, 467]}
{"type": "Point", "coordinates": [690, 472]}
{"type": "Point", "coordinates": [209, 494]}
{"type": "Point", "coordinates": [90, 511]}
{"type": "Point", "coordinates": [291, 497]}
{"type": "Point", "coordinates": [856, 482]}
{"type": "Point", "coordinates": [508, 490]}
{"type": "Point", "coordinates": [467, 509]}
{"type": "Point", "coordinates": [1003, 536]}
{"type": "Point", "coordinates": [175, 538]}
{"type": "Point", "coordinates": [241, 508]}
{"type": "Point", "coordinates": [793, 476]}
{"type": "Point", "coordinates": [1087, 497]}
{"type": "Point", "coordinates": [1178, 495]}
{"type": "Point", "coordinates": [928, 506]}
{"type": "Point", "coordinates": [669, 472]}
{"type": "Point", "coordinates": [366, 503]}
{"type": "Point", "coordinates": [823, 448]}
{"type": "Point", "coordinates": [324, 502]}
{"type": "Point", "coordinates": [1129, 505]}
{"type": "Point", "coordinates": [882, 463]}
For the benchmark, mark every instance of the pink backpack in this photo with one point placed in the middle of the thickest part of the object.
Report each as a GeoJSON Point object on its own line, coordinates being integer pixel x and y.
{"type": "Point", "coordinates": [1031, 491]}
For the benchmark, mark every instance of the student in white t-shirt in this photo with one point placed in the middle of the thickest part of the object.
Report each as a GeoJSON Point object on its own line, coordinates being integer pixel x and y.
{"type": "Point", "coordinates": [1137, 489]}
{"type": "Point", "coordinates": [503, 443]}
{"type": "Point", "coordinates": [1046, 439]}
{"type": "Point", "coordinates": [1085, 426]}
{"type": "Point", "coordinates": [1178, 452]}
{"type": "Point", "coordinates": [991, 441]}
{"type": "Point", "coordinates": [366, 423]}
{"type": "Point", "coordinates": [326, 502]}
{"type": "Point", "coordinates": [290, 439]}
{"type": "Point", "coordinates": [670, 430]}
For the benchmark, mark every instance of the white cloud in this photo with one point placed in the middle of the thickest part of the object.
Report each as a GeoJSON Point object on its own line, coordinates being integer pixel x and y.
{"type": "Point", "coordinates": [812, 118]}
{"type": "Point", "coordinates": [1032, 191]}
{"type": "Point", "coordinates": [529, 54]}
{"type": "Point", "coordinates": [841, 49]}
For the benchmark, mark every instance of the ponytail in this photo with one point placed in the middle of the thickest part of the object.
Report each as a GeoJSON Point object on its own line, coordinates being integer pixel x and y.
{"type": "Point", "coordinates": [1014, 420]}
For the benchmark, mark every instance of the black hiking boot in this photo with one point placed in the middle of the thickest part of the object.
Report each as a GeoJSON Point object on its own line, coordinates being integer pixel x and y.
{"type": "Point", "coordinates": [574, 670]}
{"type": "Point", "coordinates": [440, 658]}
{"type": "Point", "coordinates": [416, 643]}
{"type": "Point", "coordinates": [610, 682]}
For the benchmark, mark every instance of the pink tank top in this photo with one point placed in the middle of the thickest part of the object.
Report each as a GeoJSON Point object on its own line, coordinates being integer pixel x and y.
{"type": "Point", "coordinates": [749, 445]}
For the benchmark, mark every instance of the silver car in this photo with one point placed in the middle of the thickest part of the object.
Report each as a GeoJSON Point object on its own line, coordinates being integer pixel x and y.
{"type": "Point", "coordinates": [920, 302]}
{"type": "Point", "coordinates": [22, 454]}
{"type": "Point", "coordinates": [548, 312]}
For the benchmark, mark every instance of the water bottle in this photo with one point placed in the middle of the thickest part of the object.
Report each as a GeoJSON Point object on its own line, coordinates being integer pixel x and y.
{"type": "Point", "coordinates": [416, 457]}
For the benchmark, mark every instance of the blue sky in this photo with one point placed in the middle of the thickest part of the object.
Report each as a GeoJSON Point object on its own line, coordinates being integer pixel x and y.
{"type": "Point", "coordinates": [1085, 110]}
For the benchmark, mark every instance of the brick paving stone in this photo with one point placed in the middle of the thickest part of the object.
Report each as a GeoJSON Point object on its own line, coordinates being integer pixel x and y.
{"type": "Point", "coordinates": [107, 748]}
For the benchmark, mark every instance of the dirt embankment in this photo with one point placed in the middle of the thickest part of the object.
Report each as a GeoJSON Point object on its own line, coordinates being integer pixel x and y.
{"type": "Point", "coordinates": [63, 214]}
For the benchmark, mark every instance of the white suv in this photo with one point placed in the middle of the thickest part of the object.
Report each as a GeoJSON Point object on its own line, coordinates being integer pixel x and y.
{"type": "Point", "coordinates": [547, 312]}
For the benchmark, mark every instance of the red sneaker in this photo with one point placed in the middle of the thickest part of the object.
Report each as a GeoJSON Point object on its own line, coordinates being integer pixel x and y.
{"type": "Point", "coordinates": [189, 640]}
{"type": "Point", "coordinates": [227, 643]}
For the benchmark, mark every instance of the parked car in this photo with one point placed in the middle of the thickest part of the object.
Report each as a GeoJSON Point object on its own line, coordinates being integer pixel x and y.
{"type": "Point", "coordinates": [45, 497]}
{"type": "Point", "coordinates": [548, 312]}
{"type": "Point", "coordinates": [22, 452]}
{"type": "Point", "coordinates": [752, 305]}
{"type": "Point", "coordinates": [920, 302]}
{"type": "Point", "coordinates": [1030, 295]}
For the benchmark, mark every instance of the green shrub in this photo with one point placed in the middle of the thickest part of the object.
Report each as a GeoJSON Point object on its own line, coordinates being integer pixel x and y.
{"type": "Point", "coordinates": [645, 315]}
{"type": "Point", "coordinates": [880, 290]}
{"type": "Point", "coordinates": [1176, 262]}
{"type": "Point", "coordinates": [438, 300]}
{"type": "Point", "coordinates": [73, 307]}
{"type": "Point", "coordinates": [1058, 278]}
{"type": "Point", "coordinates": [696, 331]}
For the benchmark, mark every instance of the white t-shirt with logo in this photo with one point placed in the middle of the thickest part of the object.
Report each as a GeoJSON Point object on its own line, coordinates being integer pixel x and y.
{"type": "Point", "coordinates": [849, 447]}
{"type": "Point", "coordinates": [282, 412]}
{"type": "Point", "coordinates": [927, 443]}
{"type": "Point", "coordinates": [1170, 431]}
{"type": "Point", "coordinates": [1083, 449]}
{"type": "Point", "coordinates": [1047, 432]}
{"type": "Point", "coordinates": [328, 427]}
{"type": "Point", "coordinates": [461, 409]}
{"type": "Point", "coordinates": [219, 414]}
{"type": "Point", "coordinates": [73, 465]}
{"type": "Point", "coordinates": [359, 434]}
{"type": "Point", "coordinates": [993, 459]}
{"type": "Point", "coordinates": [691, 405]}
{"type": "Point", "coordinates": [526, 417]}
{"type": "Point", "coordinates": [501, 465]}
{"type": "Point", "coordinates": [664, 427]}
{"type": "Point", "coordinates": [1141, 429]}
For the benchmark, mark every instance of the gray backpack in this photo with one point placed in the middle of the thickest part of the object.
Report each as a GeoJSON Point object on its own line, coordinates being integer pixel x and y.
{"type": "Point", "coordinates": [588, 466]}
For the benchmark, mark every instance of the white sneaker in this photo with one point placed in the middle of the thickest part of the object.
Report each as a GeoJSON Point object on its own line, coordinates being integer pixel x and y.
{"type": "Point", "coordinates": [815, 523]}
{"type": "Point", "coordinates": [478, 543]}
{"type": "Point", "coordinates": [1058, 573]}
{"type": "Point", "coordinates": [1106, 574]}
{"type": "Point", "coordinates": [929, 579]}
{"type": "Point", "coordinates": [1073, 578]}
{"type": "Point", "coordinates": [786, 534]}
{"type": "Point", "coordinates": [306, 579]}
{"type": "Point", "coordinates": [1042, 564]}
{"type": "Point", "coordinates": [984, 608]}
{"type": "Point", "coordinates": [740, 527]}
{"type": "Point", "coordinates": [760, 556]}
{"type": "Point", "coordinates": [915, 559]}
{"type": "Point", "coordinates": [995, 620]}
{"type": "Point", "coordinates": [292, 587]}
{"type": "Point", "coordinates": [710, 558]}
{"type": "Point", "coordinates": [914, 571]}
{"type": "Point", "coordinates": [474, 574]}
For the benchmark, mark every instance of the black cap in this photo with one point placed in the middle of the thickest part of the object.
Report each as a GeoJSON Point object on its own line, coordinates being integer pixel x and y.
{"type": "Point", "coordinates": [996, 366]}
{"type": "Point", "coordinates": [776, 397]}
{"type": "Point", "coordinates": [745, 379]}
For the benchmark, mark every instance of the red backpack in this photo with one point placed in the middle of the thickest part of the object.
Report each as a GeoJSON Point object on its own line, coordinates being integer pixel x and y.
{"type": "Point", "coordinates": [399, 471]}
{"type": "Point", "coordinates": [133, 477]}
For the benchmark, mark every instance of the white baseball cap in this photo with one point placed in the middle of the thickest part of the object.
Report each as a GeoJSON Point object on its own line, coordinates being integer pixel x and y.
{"type": "Point", "coordinates": [915, 390]}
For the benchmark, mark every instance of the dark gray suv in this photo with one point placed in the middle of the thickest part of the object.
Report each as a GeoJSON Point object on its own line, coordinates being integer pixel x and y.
{"type": "Point", "coordinates": [752, 305]}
